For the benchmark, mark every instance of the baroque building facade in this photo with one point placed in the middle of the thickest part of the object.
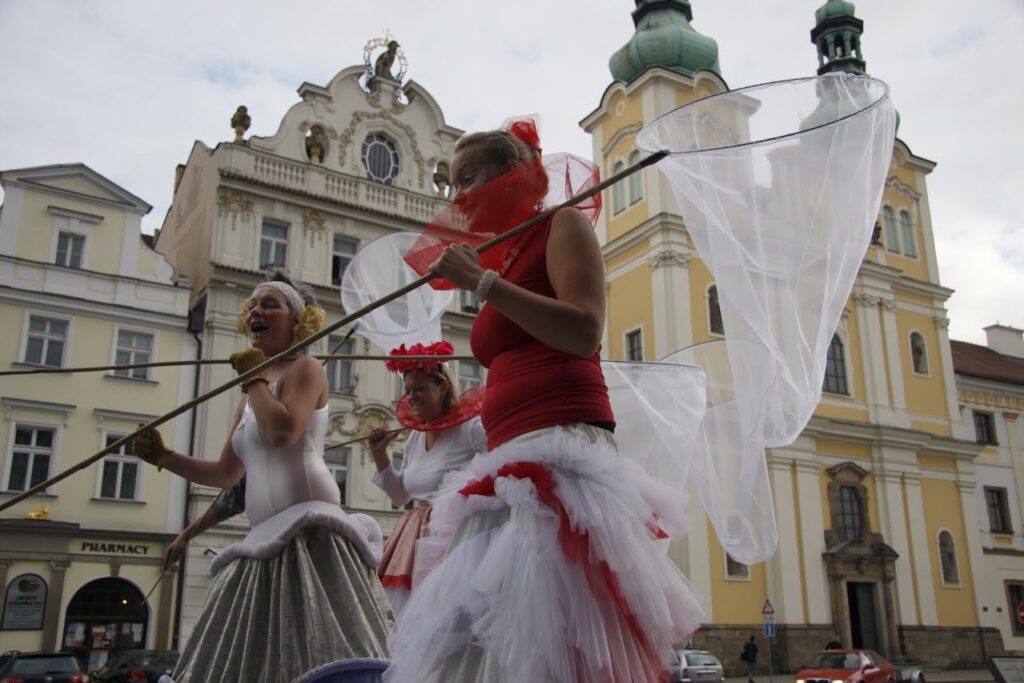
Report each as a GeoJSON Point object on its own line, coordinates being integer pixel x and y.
{"type": "Point", "coordinates": [80, 563]}
{"type": "Point", "coordinates": [363, 157]}
{"type": "Point", "coordinates": [878, 502]}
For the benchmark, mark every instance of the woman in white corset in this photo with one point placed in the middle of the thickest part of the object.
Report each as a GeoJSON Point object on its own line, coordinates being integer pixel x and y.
{"type": "Point", "coordinates": [301, 589]}
{"type": "Point", "coordinates": [446, 435]}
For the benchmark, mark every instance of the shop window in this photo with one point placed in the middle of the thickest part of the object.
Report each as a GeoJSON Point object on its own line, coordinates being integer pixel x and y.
{"type": "Point", "coordinates": [104, 616]}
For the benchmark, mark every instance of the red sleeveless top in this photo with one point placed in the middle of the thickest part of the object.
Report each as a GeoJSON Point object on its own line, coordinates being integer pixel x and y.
{"type": "Point", "coordinates": [529, 384]}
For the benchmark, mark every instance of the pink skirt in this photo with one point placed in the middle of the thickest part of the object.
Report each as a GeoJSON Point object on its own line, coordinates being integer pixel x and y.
{"type": "Point", "coordinates": [396, 564]}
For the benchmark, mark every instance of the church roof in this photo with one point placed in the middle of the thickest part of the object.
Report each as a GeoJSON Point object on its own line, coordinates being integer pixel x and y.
{"type": "Point", "coordinates": [979, 361]}
{"type": "Point", "coordinates": [664, 38]}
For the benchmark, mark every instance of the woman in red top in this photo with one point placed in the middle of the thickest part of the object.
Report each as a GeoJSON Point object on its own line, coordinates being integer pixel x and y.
{"type": "Point", "coordinates": [555, 569]}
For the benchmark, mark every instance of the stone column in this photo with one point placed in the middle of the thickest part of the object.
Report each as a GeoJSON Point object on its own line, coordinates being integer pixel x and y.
{"type": "Point", "coordinates": [893, 525]}
{"type": "Point", "coordinates": [54, 600]}
{"type": "Point", "coordinates": [783, 583]}
{"type": "Point", "coordinates": [920, 545]}
{"type": "Point", "coordinates": [812, 520]}
{"type": "Point", "coordinates": [894, 362]}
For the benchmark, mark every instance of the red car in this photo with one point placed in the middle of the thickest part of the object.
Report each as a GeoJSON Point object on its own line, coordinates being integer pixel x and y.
{"type": "Point", "coordinates": [848, 666]}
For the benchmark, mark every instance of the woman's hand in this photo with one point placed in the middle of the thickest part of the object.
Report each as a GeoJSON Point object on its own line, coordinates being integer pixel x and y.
{"type": "Point", "coordinates": [461, 264]}
{"type": "Point", "coordinates": [244, 361]}
{"type": "Point", "coordinates": [149, 446]}
{"type": "Point", "coordinates": [175, 550]}
{"type": "Point", "coordinates": [379, 440]}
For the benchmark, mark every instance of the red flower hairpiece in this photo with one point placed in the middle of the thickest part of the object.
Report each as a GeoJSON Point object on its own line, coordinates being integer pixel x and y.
{"type": "Point", "coordinates": [441, 348]}
{"type": "Point", "coordinates": [526, 130]}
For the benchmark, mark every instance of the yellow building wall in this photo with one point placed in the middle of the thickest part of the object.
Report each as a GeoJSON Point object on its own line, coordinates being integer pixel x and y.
{"type": "Point", "coordinates": [638, 250]}
{"type": "Point", "coordinates": [926, 394]}
{"type": "Point", "coordinates": [734, 601]}
{"type": "Point", "coordinates": [846, 449]}
{"type": "Point", "coordinates": [103, 252]}
{"type": "Point", "coordinates": [629, 307]}
{"type": "Point", "coordinates": [955, 605]}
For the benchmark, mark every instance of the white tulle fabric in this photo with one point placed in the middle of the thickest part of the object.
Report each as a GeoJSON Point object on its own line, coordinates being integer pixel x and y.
{"type": "Point", "coordinates": [507, 588]}
{"type": "Point", "coordinates": [780, 187]}
{"type": "Point", "coordinates": [376, 271]}
{"type": "Point", "coordinates": [290, 488]}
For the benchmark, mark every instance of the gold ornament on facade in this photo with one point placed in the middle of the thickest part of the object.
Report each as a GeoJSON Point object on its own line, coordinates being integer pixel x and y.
{"type": "Point", "coordinates": [234, 204]}
{"type": "Point", "coordinates": [314, 224]}
{"type": "Point", "coordinates": [240, 123]}
{"type": "Point", "coordinates": [41, 513]}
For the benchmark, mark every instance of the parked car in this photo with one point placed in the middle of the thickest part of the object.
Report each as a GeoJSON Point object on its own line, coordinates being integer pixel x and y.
{"type": "Point", "coordinates": [41, 667]}
{"type": "Point", "coordinates": [853, 666]}
{"type": "Point", "coordinates": [137, 666]}
{"type": "Point", "coordinates": [696, 666]}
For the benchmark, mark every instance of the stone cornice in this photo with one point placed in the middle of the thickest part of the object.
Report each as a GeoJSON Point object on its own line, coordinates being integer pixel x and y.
{"type": "Point", "coordinates": [884, 435]}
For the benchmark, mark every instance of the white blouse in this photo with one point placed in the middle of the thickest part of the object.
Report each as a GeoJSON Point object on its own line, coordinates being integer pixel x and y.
{"type": "Point", "coordinates": [423, 469]}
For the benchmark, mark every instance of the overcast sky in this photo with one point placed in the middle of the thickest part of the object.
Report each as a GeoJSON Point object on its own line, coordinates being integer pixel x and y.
{"type": "Point", "coordinates": [127, 86]}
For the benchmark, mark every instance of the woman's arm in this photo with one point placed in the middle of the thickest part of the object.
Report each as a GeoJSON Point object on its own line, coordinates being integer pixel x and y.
{"type": "Point", "coordinates": [222, 473]}
{"type": "Point", "coordinates": [282, 421]}
{"type": "Point", "coordinates": [385, 477]}
{"type": "Point", "coordinates": [574, 320]}
{"type": "Point", "coordinates": [176, 549]}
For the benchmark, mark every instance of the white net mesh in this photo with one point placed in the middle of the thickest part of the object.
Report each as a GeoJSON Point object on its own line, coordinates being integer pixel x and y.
{"type": "Point", "coordinates": [779, 186]}
{"type": "Point", "coordinates": [378, 270]}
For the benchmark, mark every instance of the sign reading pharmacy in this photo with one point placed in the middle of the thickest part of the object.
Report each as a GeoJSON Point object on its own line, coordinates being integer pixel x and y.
{"type": "Point", "coordinates": [115, 548]}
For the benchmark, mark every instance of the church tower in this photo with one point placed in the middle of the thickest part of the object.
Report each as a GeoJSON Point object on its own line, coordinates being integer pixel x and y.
{"type": "Point", "coordinates": [837, 34]}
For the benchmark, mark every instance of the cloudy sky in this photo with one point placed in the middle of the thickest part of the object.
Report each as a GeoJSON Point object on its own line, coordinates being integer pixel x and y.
{"type": "Point", "coordinates": [127, 86]}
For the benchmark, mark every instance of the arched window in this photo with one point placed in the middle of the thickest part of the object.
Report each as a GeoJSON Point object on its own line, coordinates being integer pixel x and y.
{"type": "Point", "coordinates": [380, 158]}
{"type": "Point", "coordinates": [947, 558]}
{"type": "Point", "coordinates": [835, 368]}
{"type": "Point", "coordinates": [636, 181]}
{"type": "Point", "coordinates": [618, 190]}
{"type": "Point", "coordinates": [907, 234]}
{"type": "Point", "coordinates": [892, 238]}
{"type": "Point", "coordinates": [918, 354]}
{"type": "Point", "coordinates": [715, 324]}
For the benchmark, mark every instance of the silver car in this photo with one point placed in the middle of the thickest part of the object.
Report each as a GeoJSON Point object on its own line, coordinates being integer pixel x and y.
{"type": "Point", "coordinates": [696, 666]}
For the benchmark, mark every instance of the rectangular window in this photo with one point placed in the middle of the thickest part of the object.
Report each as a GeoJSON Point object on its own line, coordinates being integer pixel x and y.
{"type": "Point", "coordinates": [634, 345]}
{"type": "Point", "coordinates": [1014, 598]}
{"type": "Point", "coordinates": [467, 302]}
{"type": "Point", "coordinates": [336, 458]}
{"type": "Point", "coordinates": [985, 428]}
{"type": "Point", "coordinates": [69, 249]}
{"type": "Point", "coordinates": [119, 472]}
{"type": "Point", "coordinates": [31, 457]}
{"type": "Point", "coordinates": [344, 250]}
{"type": "Point", "coordinates": [471, 374]}
{"type": "Point", "coordinates": [46, 340]}
{"type": "Point", "coordinates": [835, 368]}
{"type": "Point", "coordinates": [341, 376]}
{"type": "Point", "coordinates": [851, 521]}
{"type": "Point", "coordinates": [998, 510]}
{"type": "Point", "coordinates": [736, 570]}
{"type": "Point", "coordinates": [274, 244]}
{"type": "Point", "coordinates": [133, 348]}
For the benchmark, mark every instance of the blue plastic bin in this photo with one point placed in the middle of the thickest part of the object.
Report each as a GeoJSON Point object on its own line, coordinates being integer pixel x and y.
{"type": "Point", "coordinates": [349, 671]}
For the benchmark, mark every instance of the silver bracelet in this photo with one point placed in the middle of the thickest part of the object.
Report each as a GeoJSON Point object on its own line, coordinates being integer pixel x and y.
{"type": "Point", "coordinates": [483, 287]}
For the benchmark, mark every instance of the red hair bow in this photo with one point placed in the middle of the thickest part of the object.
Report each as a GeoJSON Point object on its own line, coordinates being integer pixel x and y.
{"type": "Point", "coordinates": [526, 130]}
{"type": "Point", "coordinates": [441, 348]}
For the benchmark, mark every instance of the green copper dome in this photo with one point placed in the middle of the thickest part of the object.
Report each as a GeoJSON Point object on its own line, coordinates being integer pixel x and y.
{"type": "Point", "coordinates": [834, 9]}
{"type": "Point", "coordinates": [664, 38]}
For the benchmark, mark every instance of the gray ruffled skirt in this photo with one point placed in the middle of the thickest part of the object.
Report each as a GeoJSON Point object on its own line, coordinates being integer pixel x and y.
{"type": "Point", "coordinates": [277, 619]}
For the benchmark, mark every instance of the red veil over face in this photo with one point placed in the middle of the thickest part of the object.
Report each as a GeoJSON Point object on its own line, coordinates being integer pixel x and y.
{"type": "Point", "coordinates": [478, 215]}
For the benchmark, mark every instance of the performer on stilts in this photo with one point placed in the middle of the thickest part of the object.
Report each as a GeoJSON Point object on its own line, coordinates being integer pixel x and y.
{"type": "Point", "coordinates": [555, 568]}
{"type": "Point", "coordinates": [301, 590]}
{"type": "Point", "coordinates": [446, 434]}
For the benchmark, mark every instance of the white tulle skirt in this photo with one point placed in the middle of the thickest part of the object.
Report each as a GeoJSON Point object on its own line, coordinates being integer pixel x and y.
{"type": "Point", "coordinates": [556, 570]}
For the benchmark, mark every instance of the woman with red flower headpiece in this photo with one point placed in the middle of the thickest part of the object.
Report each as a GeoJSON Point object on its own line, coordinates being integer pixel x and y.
{"type": "Point", "coordinates": [446, 434]}
{"type": "Point", "coordinates": [556, 568]}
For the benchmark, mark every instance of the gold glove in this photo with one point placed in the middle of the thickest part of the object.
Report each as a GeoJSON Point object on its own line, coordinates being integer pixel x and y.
{"type": "Point", "coordinates": [243, 361]}
{"type": "Point", "coordinates": [149, 446]}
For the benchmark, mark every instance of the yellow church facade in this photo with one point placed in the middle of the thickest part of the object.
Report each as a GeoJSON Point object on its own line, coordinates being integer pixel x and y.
{"type": "Point", "coordinates": [877, 503]}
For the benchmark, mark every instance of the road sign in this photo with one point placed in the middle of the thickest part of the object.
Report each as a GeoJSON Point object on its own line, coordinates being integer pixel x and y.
{"type": "Point", "coordinates": [768, 609]}
{"type": "Point", "coordinates": [1020, 612]}
{"type": "Point", "coordinates": [769, 629]}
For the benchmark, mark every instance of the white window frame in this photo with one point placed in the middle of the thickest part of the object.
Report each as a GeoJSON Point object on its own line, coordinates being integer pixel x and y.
{"type": "Point", "coordinates": [726, 558]}
{"type": "Point", "coordinates": [152, 334]}
{"type": "Point", "coordinates": [74, 223]}
{"type": "Point", "coordinates": [467, 381]}
{"type": "Point", "coordinates": [927, 360]}
{"type": "Point", "coordinates": [335, 254]}
{"type": "Point", "coordinates": [69, 253]}
{"type": "Point", "coordinates": [9, 459]}
{"type": "Point", "coordinates": [636, 181]}
{"type": "Point", "coordinates": [396, 157]}
{"type": "Point", "coordinates": [639, 333]}
{"type": "Point", "coordinates": [618, 190]}
{"type": "Point", "coordinates": [335, 467]}
{"type": "Point", "coordinates": [956, 557]}
{"type": "Point", "coordinates": [29, 314]}
{"type": "Point", "coordinates": [274, 242]}
{"type": "Point", "coordinates": [334, 366]}
{"type": "Point", "coordinates": [120, 459]}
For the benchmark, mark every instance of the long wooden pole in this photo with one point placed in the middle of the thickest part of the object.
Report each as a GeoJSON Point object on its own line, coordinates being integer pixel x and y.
{"type": "Point", "coordinates": [355, 315]}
